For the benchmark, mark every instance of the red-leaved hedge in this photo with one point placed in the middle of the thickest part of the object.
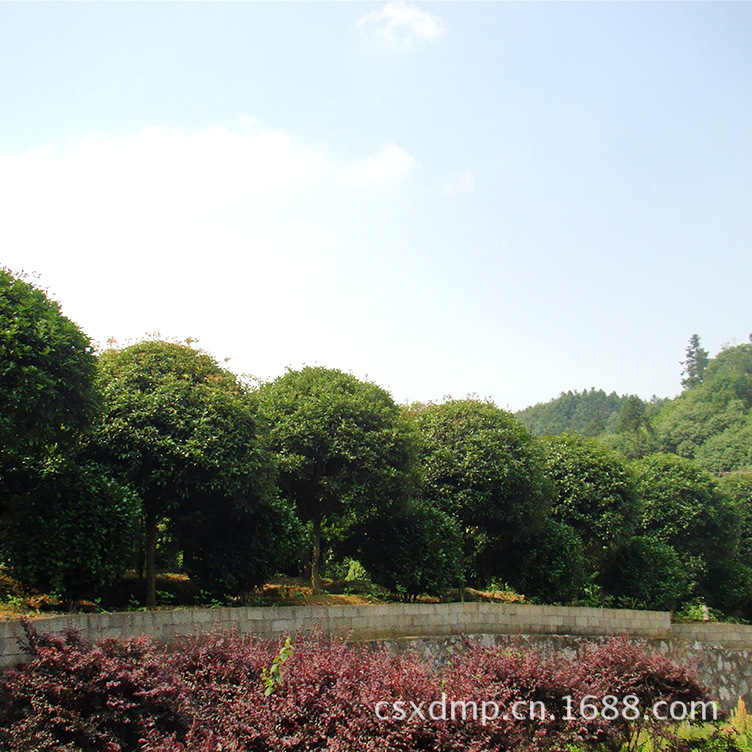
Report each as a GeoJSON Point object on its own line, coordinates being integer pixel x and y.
{"type": "Point", "coordinates": [208, 695]}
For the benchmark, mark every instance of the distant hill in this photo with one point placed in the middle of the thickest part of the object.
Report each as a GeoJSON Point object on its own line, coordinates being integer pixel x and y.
{"type": "Point", "coordinates": [589, 413]}
{"type": "Point", "coordinates": [709, 422]}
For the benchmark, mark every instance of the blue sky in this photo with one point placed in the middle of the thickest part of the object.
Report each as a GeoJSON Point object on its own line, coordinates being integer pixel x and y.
{"type": "Point", "coordinates": [510, 199]}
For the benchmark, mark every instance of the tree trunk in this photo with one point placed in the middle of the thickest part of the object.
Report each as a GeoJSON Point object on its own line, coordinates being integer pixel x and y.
{"type": "Point", "coordinates": [316, 557]}
{"type": "Point", "coordinates": [462, 568]}
{"type": "Point", "coordinates": [151, 555]}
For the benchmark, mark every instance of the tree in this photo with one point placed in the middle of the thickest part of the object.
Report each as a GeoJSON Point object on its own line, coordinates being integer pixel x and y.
{"type": "Point", "coordinates": [587, 412]}
{"type": "Point", "coordinates": [631, 416]}
{"type": "Point", "coordinates": [182, 432]}
{"type": "Point", "coordinates": [47, 370]}
{"type": "Point", "coordinates": [344, 449]}
{"type": "Point", "coordinates": [594, 492]}
{"type": "Point", "coordinates": [711, 421]}
{"type": "Point", "coordinates": [552, 565]}
{"type": "Point", "coordinates": [71, 531]}
{"type": "Point", "coordinates": [737, 488]}
{"type": "Point", "coordinates": [483, 468]}
{"type": "Point", "coordinates": [683, 507]}
{"type": "Point", "coordinates": [415, 551]}
{"type": "Point", "coordinates": [645, 571]}
{"type": "Point", "coordinates": [695, 363]}
{"type": "Point", "coordinates": [634, 436]}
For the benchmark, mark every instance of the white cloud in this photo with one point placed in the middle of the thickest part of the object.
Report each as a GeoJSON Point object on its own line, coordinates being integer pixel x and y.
{"type": "Point", "coordinates": [400, 26]}
{"type": "Point", "coordinates": [390, 163]}
{"type": "Point", "coordinates": [459, 182]}
{"type": "Point", "coordinates": [236, 239]}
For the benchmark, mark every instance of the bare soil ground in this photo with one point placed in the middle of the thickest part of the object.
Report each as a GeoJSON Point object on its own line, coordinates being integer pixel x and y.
{"type": "Point", "coordinates": [175, 590]}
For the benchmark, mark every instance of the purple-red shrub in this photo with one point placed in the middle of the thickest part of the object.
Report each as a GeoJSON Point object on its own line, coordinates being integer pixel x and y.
{"type": "Point", "coordinates": [72, 695]}
{"type": "Point", "coordinates": [622, 668]}
{"type": "Point", "coordinates": [208, 694]}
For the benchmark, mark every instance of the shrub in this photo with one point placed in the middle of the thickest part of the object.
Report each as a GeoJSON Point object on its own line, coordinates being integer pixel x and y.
{"type": "Point", "coordinates": [210, 693]}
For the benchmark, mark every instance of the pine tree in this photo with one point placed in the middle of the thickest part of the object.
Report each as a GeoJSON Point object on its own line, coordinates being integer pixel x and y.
{"type": "Point", "coordinates": [695, 364]}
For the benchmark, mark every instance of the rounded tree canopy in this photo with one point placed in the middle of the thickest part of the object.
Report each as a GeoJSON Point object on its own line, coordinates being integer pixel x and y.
{"type": "Point", "coordinates": [177, 425]}
{"type": "Point", "coordinates": [47, 370]}
{"type": "Point", "coordinates": [71, 531]}
{"type": "Point", "coordinates": [482, 467]}
{"type": "Point", "coordinates": [684, 508]}
{"type": "Point", "coordinates": [341, 443]}
{"type": "Point", "coordinates": [594, 490]}
{"type": "Point", "coordinates": [184, 433]}
{"type": "Point", "coordinates": [344, 450]}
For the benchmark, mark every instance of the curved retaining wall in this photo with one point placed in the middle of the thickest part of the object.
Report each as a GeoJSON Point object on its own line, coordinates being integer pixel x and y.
{"type": "Point", "coordinates": [723, 652]}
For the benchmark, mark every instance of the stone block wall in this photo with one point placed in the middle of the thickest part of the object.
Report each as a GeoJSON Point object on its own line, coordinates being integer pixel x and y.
{"type": "Point", "coordinates": [723, 652]}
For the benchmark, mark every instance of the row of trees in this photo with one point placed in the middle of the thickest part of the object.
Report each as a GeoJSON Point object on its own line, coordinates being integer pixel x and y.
{"type": "Point", "coordinates": [103, 455]}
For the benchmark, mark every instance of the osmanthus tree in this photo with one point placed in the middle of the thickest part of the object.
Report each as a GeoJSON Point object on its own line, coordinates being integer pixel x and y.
{"type": "Point", "coordinates": [66, 525]}
{"type": "Point", "coordinates": [594, 492]}
{"type": "Point", "coordinates": [413, 551]}
{"type": "Point", "coordinates": [182, 432]}
{"type": "Point", "coordinates": [737, 487]}
{"type": "Point", "coordinates": [645, 572]}
{"type": "Point", "coordinates": [47, 369]}
{"type": "Point", "coordinates": [550, 567]}
{"type": "Point", "coordinates": [484, 469]}
{"type": "Point", "coordinates": [345, 451]}
{"type": "Point", "coordinates": [71, 531]}
{"type": "Point", "coordinates": [684, 508]}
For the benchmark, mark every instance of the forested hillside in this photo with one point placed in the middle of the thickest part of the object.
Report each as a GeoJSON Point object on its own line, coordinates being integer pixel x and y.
{"type": "Point", "coordinates": [709, 422]}
{"type": "Point", "coordinates": [588, 413]}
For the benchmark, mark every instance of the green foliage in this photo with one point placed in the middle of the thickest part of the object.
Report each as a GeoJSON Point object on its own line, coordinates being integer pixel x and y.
{"type": "Point", "coordinates": [485, 470]}
{"type": "Point", "coordinates": [647, 572]}
{"type": "Point", "coordinates": [712, 421]}
{"type": "Point", "coordinates": [684, 508]}
{"type": "Point", "coordinates": [551, 567]}
{"type": "Point", "coordinates": [72, 531]}
{"type": "Point", "coordinates": [417, 550]}
{"type": "Point", "coordinates": [631, 416]}
{"type": "Point", "coordinates": [175, 424]}
{"type": "Point", "coordinates": [730, 450]}
{"type": "Point", "coordinates": [233, 548]}
{"type": "Point", "coordinates": [337, 440]}
{"type": "Point", "coordinates": [695, 364]}
{"type": "Point", "coordinates": [47, 368]}
{"type": "Point", "coordinates": [344, 449]}
{"type": "Point", "coordinates": [482, 466]}
{"type": "Point", "coordinates": [635, 435]}
{"type": "Point", "coordinates": [594, 492]}
{"type": "Point", "coordinates": [183, 433]}
{"type": "Point", "coordinates": [738, 488]}
{"type": "Point", "coordinates": [272, 677]}
{"type": "Point", "coordinates": [588, 413]}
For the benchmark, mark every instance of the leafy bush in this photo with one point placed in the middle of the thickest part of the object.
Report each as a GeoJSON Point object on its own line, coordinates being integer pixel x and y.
{"type": "Point", "coordinates": [646, 571]}
{"type": "Point", "coordinates": [684, 508]}
{"type": "Point", "coordinates": [551, 567]}
{"type": "Point", "coordinates": [72, 531]}
{"type": "Point", "coordinates": [212, 693]}
{"type": "Point", "coordinates": [417, 550]}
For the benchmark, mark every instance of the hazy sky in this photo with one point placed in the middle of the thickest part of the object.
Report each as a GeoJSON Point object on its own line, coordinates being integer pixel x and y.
{"type": "Point", "coordinates": [508, 199]}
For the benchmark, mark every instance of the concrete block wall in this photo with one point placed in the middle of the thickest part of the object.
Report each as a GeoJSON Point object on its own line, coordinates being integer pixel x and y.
{"type": "Point", "coordinates": [722, 652]}
{"type": "Point", "coordinates": [385, 621]}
